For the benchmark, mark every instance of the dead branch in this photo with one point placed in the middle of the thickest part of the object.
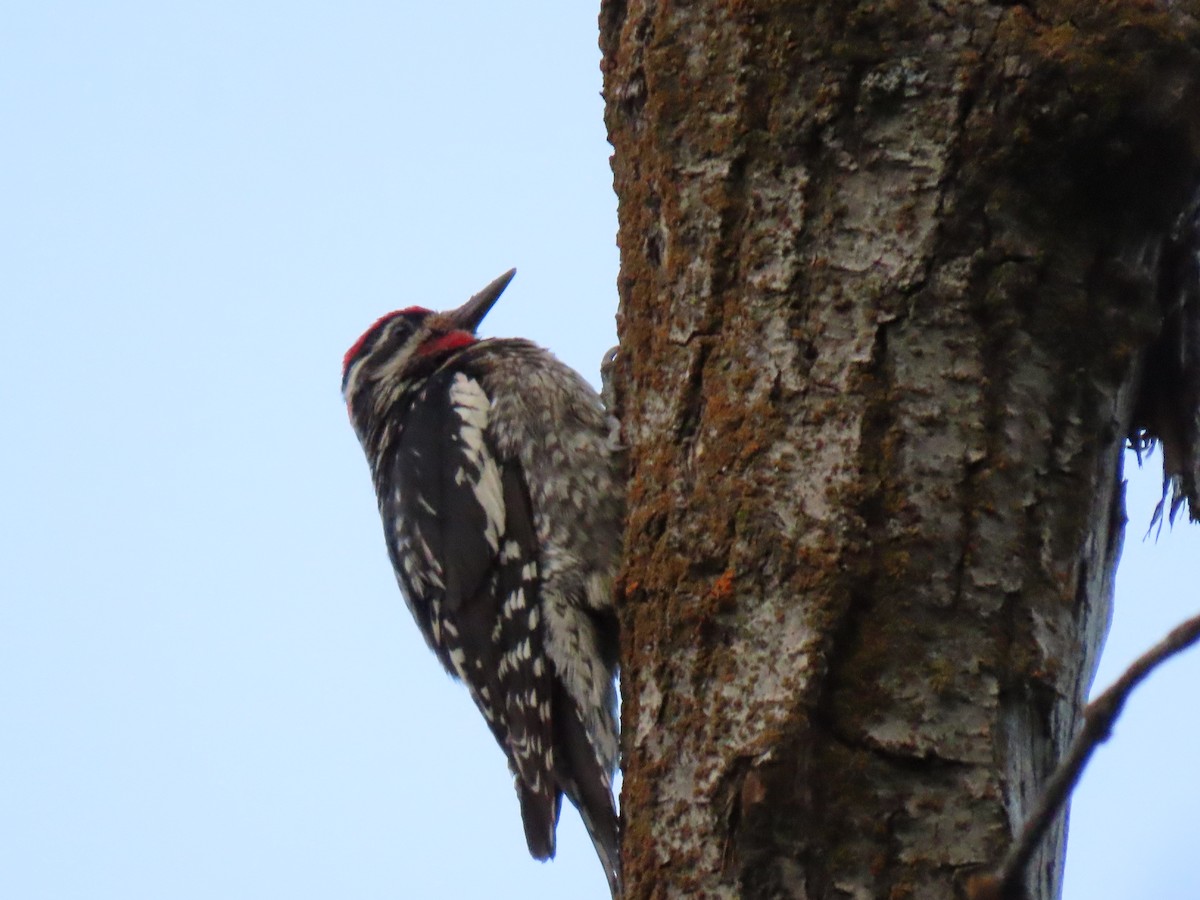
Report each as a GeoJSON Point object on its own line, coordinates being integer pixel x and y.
{"type": "Point", "coordinates": [1007, 882]}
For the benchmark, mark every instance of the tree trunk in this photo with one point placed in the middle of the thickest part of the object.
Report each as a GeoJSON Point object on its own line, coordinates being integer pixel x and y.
{"type": "Point", "coordinates": [889, 272]}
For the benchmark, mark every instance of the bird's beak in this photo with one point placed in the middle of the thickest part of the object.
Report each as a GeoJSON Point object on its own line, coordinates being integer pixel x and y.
{"type": "Point", "coordinates": [468, 316]}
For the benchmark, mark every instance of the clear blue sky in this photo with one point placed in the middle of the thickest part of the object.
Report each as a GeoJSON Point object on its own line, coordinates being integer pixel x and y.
{"type": "Point", "coordinates": [209, 685]}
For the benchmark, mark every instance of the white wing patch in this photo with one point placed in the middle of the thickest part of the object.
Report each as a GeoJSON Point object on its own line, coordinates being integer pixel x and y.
{"type": "Point", "coordinates": [472, 406]}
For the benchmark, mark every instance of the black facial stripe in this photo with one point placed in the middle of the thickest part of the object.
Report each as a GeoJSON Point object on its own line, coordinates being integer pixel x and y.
{"type": "Point", "coordinates": [384, 338]}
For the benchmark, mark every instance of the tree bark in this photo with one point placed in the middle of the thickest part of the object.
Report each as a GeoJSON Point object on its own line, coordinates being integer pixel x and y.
{"type": "Point", "coordinates": [889, 277]}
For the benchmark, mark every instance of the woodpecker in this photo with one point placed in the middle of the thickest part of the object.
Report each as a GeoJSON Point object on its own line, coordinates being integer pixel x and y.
{"type": "Point", "coordinates": [500, 484]}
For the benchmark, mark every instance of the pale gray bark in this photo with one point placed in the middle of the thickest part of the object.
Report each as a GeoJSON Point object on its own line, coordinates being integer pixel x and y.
{"type": "Point", "coordinates": [888, 273]}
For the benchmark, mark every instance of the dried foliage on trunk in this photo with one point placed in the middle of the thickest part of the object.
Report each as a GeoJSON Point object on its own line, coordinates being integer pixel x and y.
{"type": "Point", "coordinates": [898, 282]}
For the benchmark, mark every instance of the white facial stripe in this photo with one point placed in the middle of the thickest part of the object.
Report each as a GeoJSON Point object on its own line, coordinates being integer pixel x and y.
{"type": "Point", "coordinates": [395, 361]}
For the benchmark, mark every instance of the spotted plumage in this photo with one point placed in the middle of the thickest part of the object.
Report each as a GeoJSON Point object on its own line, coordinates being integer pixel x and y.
{"type": "Point", "coordinates": [502, 497]}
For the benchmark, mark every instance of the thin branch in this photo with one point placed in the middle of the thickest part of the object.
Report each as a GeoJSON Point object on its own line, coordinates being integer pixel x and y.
{"type": "Point", "coordinates": [1007, 882]}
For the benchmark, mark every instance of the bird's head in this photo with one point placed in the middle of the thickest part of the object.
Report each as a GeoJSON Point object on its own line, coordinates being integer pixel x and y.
{"type": "Point", "coordinates": [403, 344]}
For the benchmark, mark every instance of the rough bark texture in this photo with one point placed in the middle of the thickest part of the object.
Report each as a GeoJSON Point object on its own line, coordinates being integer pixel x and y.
{"type": "Point", "coordinates": [889, 273]}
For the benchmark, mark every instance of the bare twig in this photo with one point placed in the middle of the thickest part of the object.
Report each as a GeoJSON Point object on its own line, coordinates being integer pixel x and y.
{"type": "Point", "coordinates": [1007, 882]}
